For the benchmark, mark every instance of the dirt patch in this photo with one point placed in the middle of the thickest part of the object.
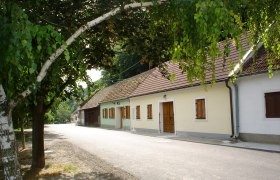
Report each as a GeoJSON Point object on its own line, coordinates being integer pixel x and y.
{"type": "Point", "coordinates": [66, 161]}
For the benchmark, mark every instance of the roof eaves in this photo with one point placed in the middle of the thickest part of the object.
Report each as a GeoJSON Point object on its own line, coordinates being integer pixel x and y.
{"type": "Point", "coordinates": [177, 88]}
{"type": "Point", "coordinates": [111, 100]}
{"type": "Point", "coordinates": [256, 73]}
{"type": "Point", "coordinates": [244, 59]}
{"type": "Point", "coordinates": [86, 101]}
{"type": "Point", "coordinates": [128, 80]}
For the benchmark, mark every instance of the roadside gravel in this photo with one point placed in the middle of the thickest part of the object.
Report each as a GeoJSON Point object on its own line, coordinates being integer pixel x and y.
{"type": "Point", "coordinates": [66, 161]}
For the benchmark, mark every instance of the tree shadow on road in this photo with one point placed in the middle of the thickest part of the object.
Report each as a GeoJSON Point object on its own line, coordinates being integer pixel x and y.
{"type": "Point", "coordinates": [51, 136]}
{"type": "Point", "coordinates": [35, 174]}
{"type": "Point", "coordinates": [67, 161]}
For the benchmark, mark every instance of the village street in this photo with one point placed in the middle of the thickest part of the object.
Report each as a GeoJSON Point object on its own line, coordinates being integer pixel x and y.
{"type": "Point", "coordinates": [157, 158]}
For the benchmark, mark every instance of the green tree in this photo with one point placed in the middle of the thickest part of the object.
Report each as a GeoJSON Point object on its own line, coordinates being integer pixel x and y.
{"type": "Point", "coordinates": [93, 49]}
{"type": "Point", "coordinates": [198, 27]}
{"type": "Point", "coordinates": [9, 102]}
{"type": "Point", "coordinates": [124, 66]}
{"type": "Point", "coordinates": [61, 113]}
{"type": "Point", "coordinates": [192, 28]}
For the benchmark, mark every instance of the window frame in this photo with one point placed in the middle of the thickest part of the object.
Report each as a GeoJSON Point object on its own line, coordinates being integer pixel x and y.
{"type": "Point", "coordinates": [149, 111]}
{"type": "Point", "coordinates": [265, 105]}
{"type": "Point", "coordinates": [205, 109]}
{"type": "Point", "coordinates": [127, 112]}
{"type": "Point", "coordinates": [103, 113]}
{"type": "Point", "coordinates": [106, 113]}
{"type": "Point", "coordinates": [138, 112]}
{"type": "Point", "coordinates": [112, 113]}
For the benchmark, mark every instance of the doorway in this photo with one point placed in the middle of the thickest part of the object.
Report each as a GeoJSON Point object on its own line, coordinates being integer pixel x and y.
{"type": "Point", "coordinates": [168, 117]}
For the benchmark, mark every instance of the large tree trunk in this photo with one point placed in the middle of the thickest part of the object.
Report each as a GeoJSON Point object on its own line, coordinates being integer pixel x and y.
{"type": "Point", "coordinates": [22, 133]}
{"type": "Point", "coordinates": [7, 136]}
{"type": "Point", "coordinates": [8, 147]}
{"type": "Point", "coordinates": [38, 154]}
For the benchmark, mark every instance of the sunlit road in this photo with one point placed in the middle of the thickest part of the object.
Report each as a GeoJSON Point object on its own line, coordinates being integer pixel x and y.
{"type": "Point", "coordinates": [157, 158]}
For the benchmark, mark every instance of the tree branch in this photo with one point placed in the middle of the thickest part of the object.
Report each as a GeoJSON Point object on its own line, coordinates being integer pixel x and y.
{"type": "Point", "coordinates": [70, 40]}
{"type": "Point", "coordinates": [57, 25]}
{"type": "Point", "coordinates": [58, 93]}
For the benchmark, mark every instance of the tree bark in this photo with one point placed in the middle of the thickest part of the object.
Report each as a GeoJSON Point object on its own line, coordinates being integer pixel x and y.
{"type": "Point", "coordinates": [22, 133]}
{"type": "Point", "coordinates": [72, 38]}
{"type": "Point", "coordinates": [7, 136]}
{"type": "Point", "coordinates": [38, 154]}
{"type": "Point", "coordinates": [9, 157]}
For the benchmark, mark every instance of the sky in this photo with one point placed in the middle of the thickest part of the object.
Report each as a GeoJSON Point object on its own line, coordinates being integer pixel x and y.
{"type": "Point", "coordinates": [94, 74]}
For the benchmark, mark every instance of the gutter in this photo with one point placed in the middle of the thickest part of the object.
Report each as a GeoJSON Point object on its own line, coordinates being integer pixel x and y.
{"type": "Point", "coordinates": [237, 109]}
{"type": "Point", "coordinates": [177, 88]}
{"type": "Point", "coordinates": [231, 109]}
{"type": "Point", "coordinates": [236, 71]}
{"type": "Point", "coordinates": [246, 56]}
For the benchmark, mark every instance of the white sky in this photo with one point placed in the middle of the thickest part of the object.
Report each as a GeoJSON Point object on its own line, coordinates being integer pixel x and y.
{"type": "Point", "coordinates": [94, 74]}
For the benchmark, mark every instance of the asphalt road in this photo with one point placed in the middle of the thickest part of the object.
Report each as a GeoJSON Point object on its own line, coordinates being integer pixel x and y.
{"type": "Point", "coordinates": [158, 158]}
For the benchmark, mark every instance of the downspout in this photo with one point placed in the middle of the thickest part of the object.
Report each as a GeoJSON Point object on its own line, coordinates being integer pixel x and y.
{"type": "Point", "coordinates": [231, 108]}
{"type": "Point", "coordinates": [236, 109]}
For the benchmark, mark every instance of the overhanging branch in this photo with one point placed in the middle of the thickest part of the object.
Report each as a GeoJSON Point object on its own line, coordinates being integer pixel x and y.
{"type": "Point", "coordinates": [70, 40]}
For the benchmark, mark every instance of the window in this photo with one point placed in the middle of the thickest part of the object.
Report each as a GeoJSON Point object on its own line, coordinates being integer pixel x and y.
{"type": "Point", "coordinates": [137, 112]}
{"type": "Point", "coordinates": [272, 104]}
{"type": "Point", "coordinates": [127, 112]}
{"type": "Point", "coordinates": [112, 113]}
{"type": "Point", "coordinates": [149, 111]}
{"type": "Point", "coordinates": [103, 113]}
{"type": "Point", "coordinates": [200, 109]}
{"type": "Point", "coordinates": [106, 113]}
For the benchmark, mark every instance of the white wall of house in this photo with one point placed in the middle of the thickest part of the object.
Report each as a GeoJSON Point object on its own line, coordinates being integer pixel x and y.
{"type": "Point", "coordinates": [109, 122]}
{"type": "Point", "coordinates": [81, 118]}
{"type": "Point", "coordinates": [217, 110]}
{"type": "Point", "coordinates": [252, 104]}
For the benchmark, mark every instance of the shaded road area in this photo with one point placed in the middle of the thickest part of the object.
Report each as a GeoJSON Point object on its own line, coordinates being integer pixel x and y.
{"type": "Point", "coordinates": [158, 158]}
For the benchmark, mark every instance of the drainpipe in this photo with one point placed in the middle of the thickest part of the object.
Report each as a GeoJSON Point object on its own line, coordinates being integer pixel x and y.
{"type": "Point", "coordinates": [236, 109]}
{"type": "Point", "coordinates": [231, 109]}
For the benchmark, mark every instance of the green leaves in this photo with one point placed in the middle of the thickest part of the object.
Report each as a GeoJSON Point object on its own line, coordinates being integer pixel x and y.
{"type": "Point", "coordinates": [23, 42]}
{"type": "Point", "coordinates": [66, 54]}
{"type": "Point", "coordinates": [33, 68]}
{"type": "Point", "coordinates": [24, 47]}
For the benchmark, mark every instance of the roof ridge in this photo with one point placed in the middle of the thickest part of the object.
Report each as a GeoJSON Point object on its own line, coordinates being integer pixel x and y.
{"type": "Point", "coordinates": [153, 69]}
{"type": "Point", "coordinates": [126, 83]}
{"type": "Point", "coordinates": [157, 83]}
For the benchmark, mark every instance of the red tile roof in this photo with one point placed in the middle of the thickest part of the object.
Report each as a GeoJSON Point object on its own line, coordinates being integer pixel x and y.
{"type": "Point", "coordinates": [156, 83]}
{"type": "Point", "coordinates": [259, 63]}
{"type": "Point", "coordinates": [118, 91]}
{"type": "Point", "coordinates": [97, 98]}
{"type": "Point", "coordinates": [123, 89]}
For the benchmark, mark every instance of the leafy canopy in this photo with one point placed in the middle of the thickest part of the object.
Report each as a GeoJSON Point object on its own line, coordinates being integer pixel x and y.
{"type": "Point", "coordinates": [198, 26]}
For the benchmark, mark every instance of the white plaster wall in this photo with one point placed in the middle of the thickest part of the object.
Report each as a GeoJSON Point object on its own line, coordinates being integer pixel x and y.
{"type": "Point", "coordinates": [82, 117]}
{"type": "Point", "coordinates": [252, 104]}
{"type": "Point", "coordinates": [217, 109]}
{"type": "Point", "coordinates": [116, 105]}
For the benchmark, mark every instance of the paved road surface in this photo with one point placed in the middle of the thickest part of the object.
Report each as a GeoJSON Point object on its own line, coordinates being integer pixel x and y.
{"type": "Point", "coordinates": [158, 158]}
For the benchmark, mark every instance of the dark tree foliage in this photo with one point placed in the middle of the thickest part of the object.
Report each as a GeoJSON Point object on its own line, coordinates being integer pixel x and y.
{"type": "Point", "coordinates": [184, 31]}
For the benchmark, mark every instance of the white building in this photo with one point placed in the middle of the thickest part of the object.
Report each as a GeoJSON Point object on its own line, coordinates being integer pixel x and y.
{"type": "Point", "coordinates": [258, 107]}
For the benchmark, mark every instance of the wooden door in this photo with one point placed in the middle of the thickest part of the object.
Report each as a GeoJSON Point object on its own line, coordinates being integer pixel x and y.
{"type": "Point", "coordinates": [168, 117]}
